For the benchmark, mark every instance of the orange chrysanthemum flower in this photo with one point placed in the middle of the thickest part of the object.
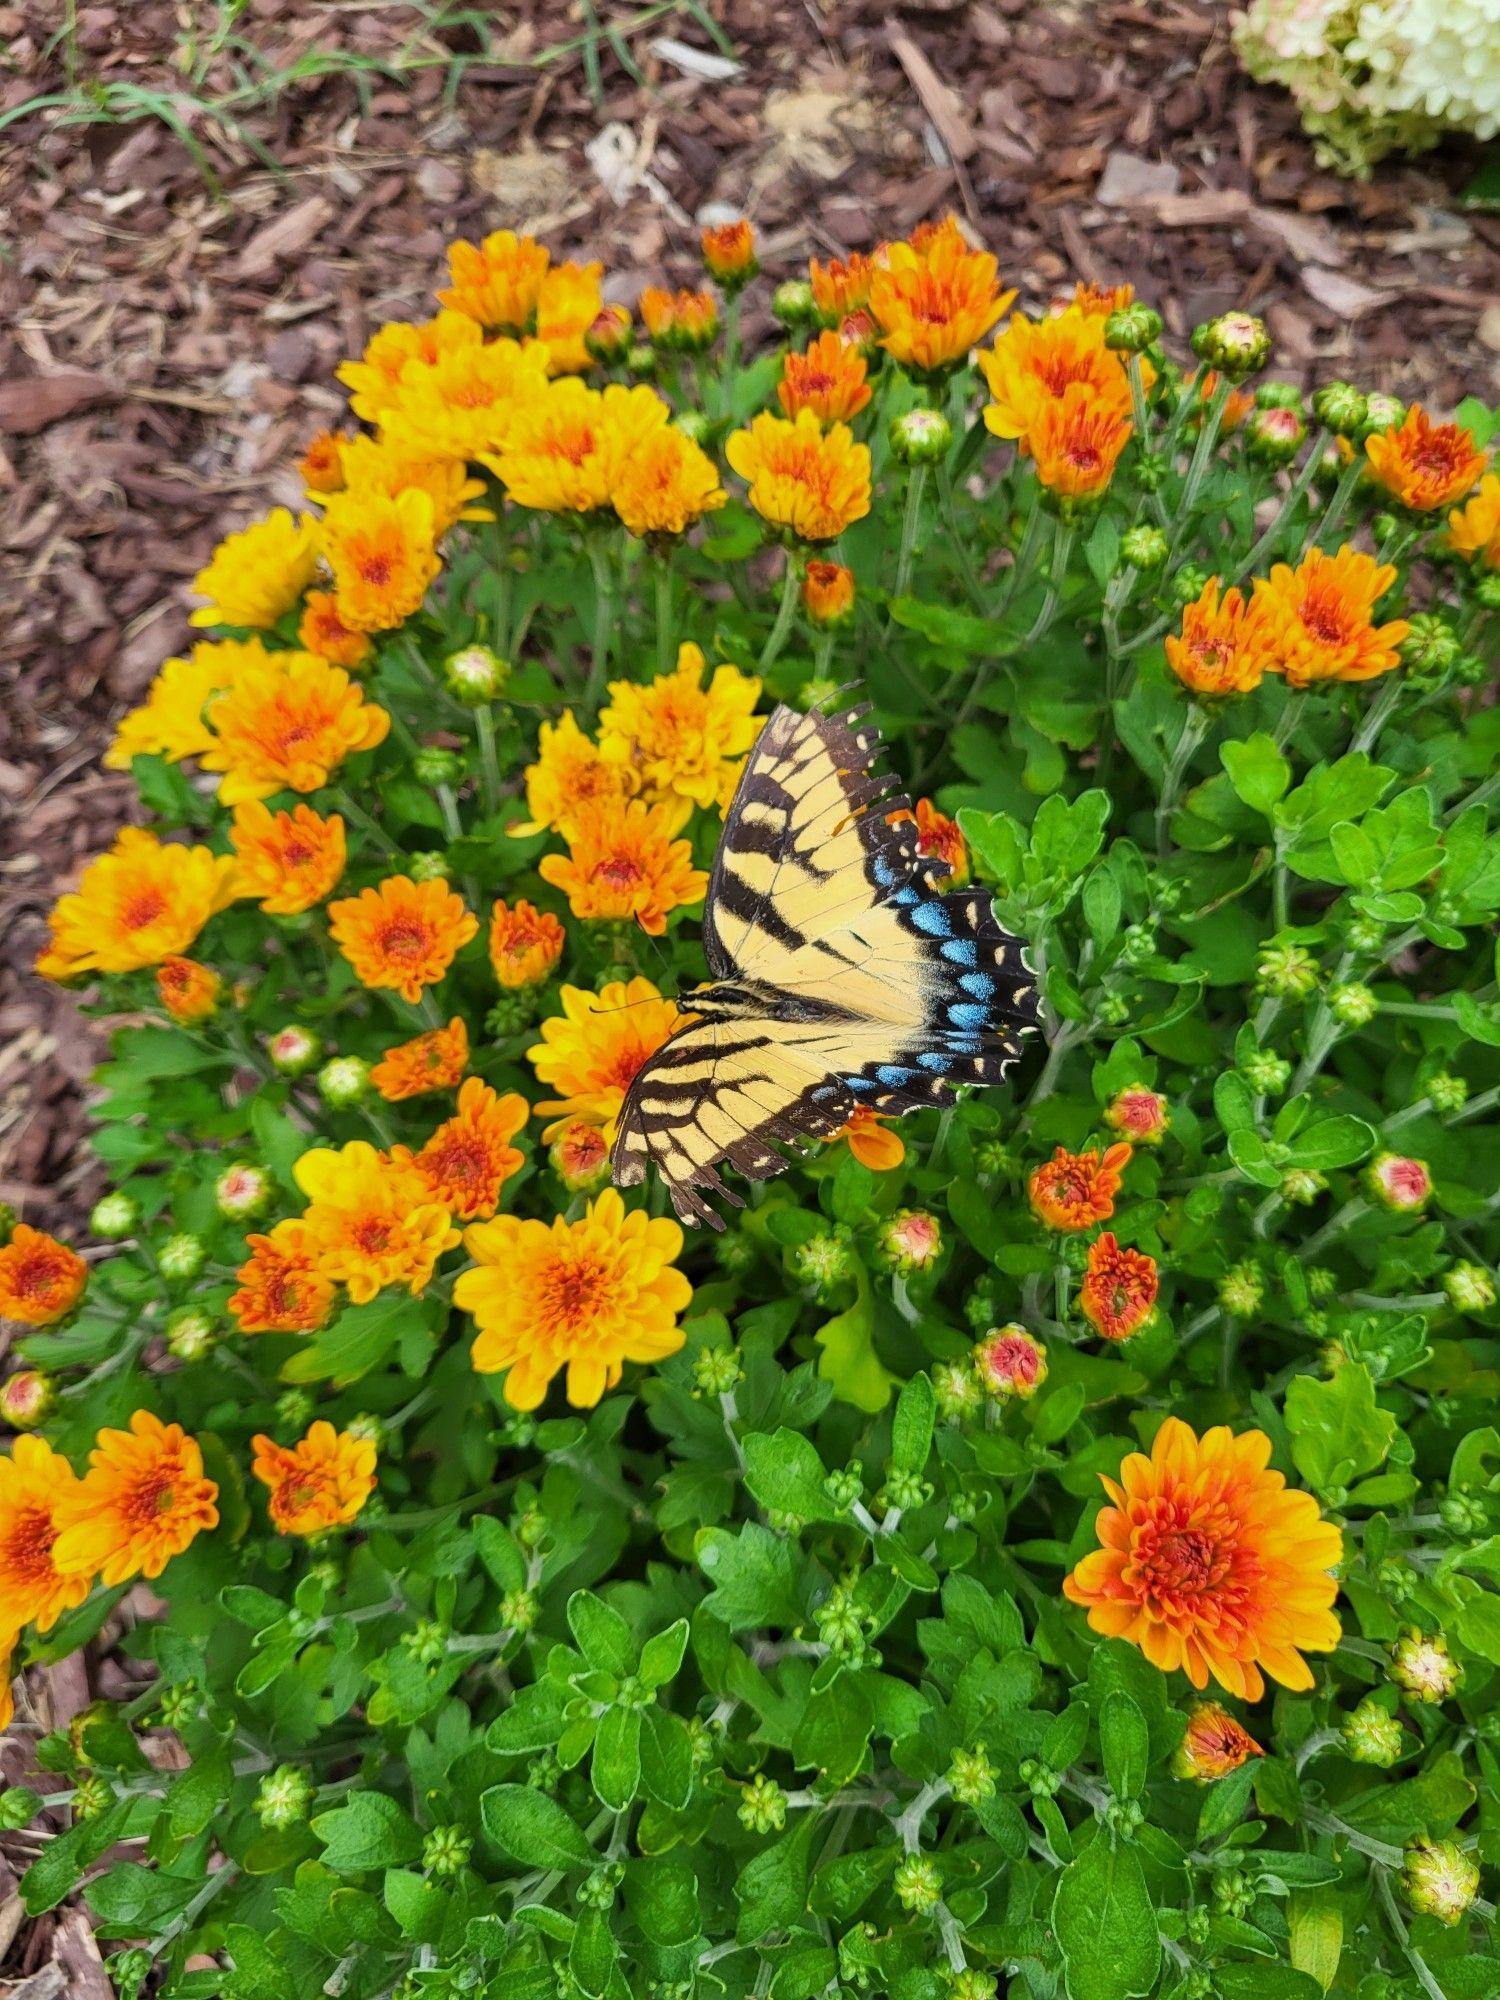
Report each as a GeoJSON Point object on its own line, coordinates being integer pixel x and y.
{"type": "Point", "coordinates": [813, 483]}
{"type": "Point", "coordinates": [1207, 1562]}
{"type": "Point", "coordinates": [567, 305]}
{"type": "Point", "coordinates": [940, 838]}
{"type": "Point", "coordinates": [35, 1485]}
{"type": "Point", "coordinates": [678, 738]}
{"type": "Point", "coordinates": [683, 320]}
{"type": "Point", "coordinates": [469, 1158]}
{"type": "Point", "coordinates": [1320, 622]}
{"type": "Point", "coordinates": [586, 1296]}
{"type": "Point", "coordinates": [256, 576]}
{"type": "Point", "coordinates": [435, 1060]}
{"type": "Point", "coordinates": [401, 934]}
{"type": "Point", "coordinates": [571, 775]}
{"type": "Point", "coordinates": [592, 1051]}
{"type": "Point", "coordinates": [871, 1140]}
{"type": "Point", "coordinates": [565, 448]}
{"type": "Point", "coordinates": [317, 1484]}
{"type": "Point", "coordinates": [827, 592]}
{"type": "Point", "coordinates": [172, 721]}
{"type": "Point", "coordinates": [1222, 649]}
{"type": "Point", "coordinates": [1474, 530]}
{"type": "Point", "coordinates": [729, 253]}
{"type": "Point", "coordinates": [135, 906]}
{"type": "Point", "coordinates": [1424, 465]}
{"type": "Point", "coordinates": [383, 555]}
{"type": "Point", "coordinates": [393, 467]}
{"type": "Point", "coordinates": [1075, 1190]}
{"type": "Point", "coordinates": [287, 726]}
{"type": "Point", "coordinates": [323, 631]}
{"type": "Point", "coordinates": [525, 943]}
{"type": "Point", "coordinates": [496, 282]}
{"type": "Point", "coordinates": [370, 1222]}
{"type": "Point", "coordinates": [392, 349]}
{"type": "Point", "coordinates": [289, 861]}
{"type": "Point", "coordinates": [935, 298]}
{"type": "Point", "coordinates": [142, 1501]}
{"type": "Point", "coordinates": [841, 286]}
{"type": "Point", "coordinates": [189, 991]}
{"type": "Point", "coordinates": [1034, 363]}
{"type": "Point", "coordinates": [1076, 443]}
{"type": "Point", "coordinates": [41, 1280]}
{"type": "Point", "coordinates": [1212, 1745]}
{"type": "Point", "coordinates": [1099, 301]}
{"type": "Point", "coordinates": [667, 485]}
{"type": "Point", "coordinates": [282, 1290]}
{"type": "Point", "coordinates": [1118, 1293]}
{"type": "Point", "coordinates": [828, 378]}
{"type": "Point", "coordinates": [624, 866]}
{"type": "Point", "coordinates": [322, 464]}
{"type": "Point", "coordinates": [451, 409]}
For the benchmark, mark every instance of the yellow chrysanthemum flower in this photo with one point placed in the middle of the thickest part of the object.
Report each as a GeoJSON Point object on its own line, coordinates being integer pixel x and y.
{"type": "Point", "coordinates": [1034, 363]}
{"type": "Point", "coordinates": [321, 1482]}
{"type": "Point", "coordinates": [567, 305]}
{"type": "Point", "coordinates": [1209, 1563]}
{"type": "Point", "coordinates": [934, 298]}
{"type": "Point", "coordinates": [462, 404]}
{"type": "Point", "coordinates": [287, 725]}
{"type": "Point", "coordinates": [373, 379]}
{"type": "Point", "coordinates": [142, 1501]}
{"type": "Point", "coordinates": [370, 1223]}
{"type": "Point", "coordinates": [136, 905]}
{"type": "Point", "coordinates": [593, 1049]}
{"type": "Point", "coordinates": [679, 739]}
{"type": "Point", "coordinates": [1474, 530]}
{"type": "Point", "coordinates": [171, 722]}
{"type": "Point", "coordinates": [584, 1296]}
{"type": "Point", "coordinates": [812, 482]}
{"type": "Point", "coordinates": [667, 485]}
{"type": "Point", "coordinates": [565, 449]}
{"type": "Point", "coordinates": [383, 554]}
{"type": "Point", "coordinates": [390, 467]}
{"type": "Point", "coordinates": [570, 774]}
{"type": "Point", "coordinates": [256, 576]}
{"type": "Point", "coordinates": [624, 866]}
{"type": "Point", "coordinates": [35, 1485]}
{"type": "Point", "coordinates": [497, 282]}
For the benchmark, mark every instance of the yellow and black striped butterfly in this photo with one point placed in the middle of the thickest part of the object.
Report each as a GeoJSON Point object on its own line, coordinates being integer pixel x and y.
{"type": "Point", "coordinates": [841, 975]}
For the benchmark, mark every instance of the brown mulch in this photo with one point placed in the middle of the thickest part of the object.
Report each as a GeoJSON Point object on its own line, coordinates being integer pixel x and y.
{"type": "Point", "coordinates": [170, 342]}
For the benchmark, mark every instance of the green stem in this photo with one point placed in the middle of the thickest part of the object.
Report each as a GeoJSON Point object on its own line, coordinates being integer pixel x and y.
{"type": "Point", "coordinates": [1379, 712]}
{"type": "Point", "coordinates": [1194, 729]}
{"type": "Point", "coordinates": [1062, 548]}
{"type": "Point", "coordinates": [1338, 506]}
{"type": "Point", "coordinates": [1295, 491]}
{"type": "Point", "coordinates": [1203, 451]}
{"type": "Point", "coordinates": [348, 805]}
{"type": "Point", "coordinates": [1140, 412]}
{"type": "Point", "coordinates": [958, 540]}
{"type": "Point", "coordinates": [604, 607]}
{"type": "Point", "coordinates": [785, 613]}
{"type": "Point", "coordinates": [1418, 1964]}
{"type": "Point", "coordinates": [489, 762]}
{"type": "Point", "coordinates": [731, 349]}
{"type": "Point", "coordinates": [910, 520]}
{"type": "Point", "coordinates": [665, 653]}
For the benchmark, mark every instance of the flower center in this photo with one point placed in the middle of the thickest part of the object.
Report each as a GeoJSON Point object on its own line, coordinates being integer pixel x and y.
{"type": "Point", "coordinates": [372, 1235]}
{"type": "Point", "coordinates": [28, 1546]}
{"type": "Point", "coordinates": [463, 1163]}
{"type": "Point", "coordinates": [620, 871]}
{"type": "Point", "coordinates": [151, 1497]}
{"type": "Point", "coordinates": [143, 908]}
{"type": "Point", "coordinates": [1326, 619]}
{"type": "Point", "coordinates": [575, 1292]}
{"type": "Point", "coordinates": [375, 568]}
{"type": "Point", "coordinates": [34, 1277]}
{"type": "Point", "coordinates": [403, 939]}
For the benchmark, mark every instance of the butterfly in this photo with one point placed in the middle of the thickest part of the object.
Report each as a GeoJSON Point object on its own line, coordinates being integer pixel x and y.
{"type": "Point", "coordinates": [841, 975]}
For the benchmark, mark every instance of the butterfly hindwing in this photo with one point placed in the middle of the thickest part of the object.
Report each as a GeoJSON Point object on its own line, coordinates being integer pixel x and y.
{"type": "Point", "coordinates": [878, 988]}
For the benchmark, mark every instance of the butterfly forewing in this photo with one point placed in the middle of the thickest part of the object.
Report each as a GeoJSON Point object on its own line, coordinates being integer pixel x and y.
{"type": "Point", "coordinates": [874, 988]}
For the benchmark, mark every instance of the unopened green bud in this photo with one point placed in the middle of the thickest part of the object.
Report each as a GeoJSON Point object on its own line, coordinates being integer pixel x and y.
{"type": "Point", "coordinates": [1144, 547]}
{"type": "Point", "coordinates": [1364, 936]}
{"type": "Point", "coordinates": [1382, 413]}
{"type": "Point", "coordinates": [427, 1641]}
{"type": "Point", "coordinates": [911, 1240]}
{"type": "Point", "coordinates": [182, 1256]}
{"type": "Point", "coordinates": [1431, 646]}
{"type": "Point", "coordinates": [918, 1883]}
{"type": "Point", "coordinates": [191, 1333]}
{"type": "Point", "coordinates": [1352, 1005]}
{"type": "Point", "coordinates": [1187, 584]}
{"type": "Point", "coordinates": [520, 1609]}
{"type": "Point", "coordinates": [344, 1082]}
{"type": "Point", "coordinates": [475, 674]}
{"type": "Point", "coordinates": [817, 692]}
{"type": "Point", "coordinates": [18, 1808]}
{"type": "Point", "coordinates": [1463, 1514]}
{"type": "Point", "coordinates": [1236, 343]}
{"type": "Point", "coordinates": [1447, 1092]}
{"type": "Point", "coordinates": [532, 1528]}
{"type": "Point", "coordinates": [179, 1702]}
{"type": "Point", "coordinates": [294, 1408]}
{"type": "Point", "coordinates": [717, 1371]}
{"type": "Point", "coordinates": [92, 1799]}
{"type": "Point", "coordinates": [293, 1050]}
{"type": "Point", "coordinates": [1241, 1290]}
{"type": "Point", "coordinates": [793, 304]}
{"type": "Point", "coordinates": [1266, 1074]}
{"type": "Point", "coordinates": [1234, 1892]}
{"type": "Point", "coordinates": [1486, 593]}
{"type": "Point", "coordinates": [1423, 1668]}
{"type": "Point", "coordinates": [1469, 1287]}
{"type": "Point", "coordinates": [1372, 1735]}
{"type": "Point", "coordinates": [762, 1805]}
{"type": "Point", "coordinates": [429, 864]}
{"type": "Point", "coordinates": [433, 765]}
{"type": "Point", "coordinates": [1278, 396]}
{"type": "Point", "coordinates": [1287, 970]}
{"type": "Point", "coordinates": [1301, 1186]}
{"type": "Point", "coordinates": [243, 1191]}
{"type": "Point", "coordinates": [921, 437]}
{"type": "Point", "coordinates": [1275, 436]}
{"type": "Point", "coordinates": [284, 1796]}
{"type": "Point", "coordinates": [971, 1776]}
{"type": "Point", "coordinates": [640, 359]}
{"type": "Point", "coordinates": [27, 1399]}
{"type": "Point", "coordinates": [957, 1391]}
{"type": "Point", "coordinates": [1340, 408]}
{"type": "Point", "coordinates": [114, 1216]}
{"type": "Point", "coordinates": [823, 1261]}
{"type": "Point", "coordinates": [1131, 329]}
{"type": "Point", "coordinates": [446, 1850]}
{"type": "Point", "coordinates": [1440, 1880]}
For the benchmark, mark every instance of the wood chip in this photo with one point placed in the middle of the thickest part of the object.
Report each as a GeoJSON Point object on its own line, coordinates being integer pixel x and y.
{"type": "Point", "coordinates": [1193, 211]}
{"type": "Point", "coordinates": [34, 401]}
{"type": "Point", "coordinates": [1127, 178]}
{"type": "Point", "coordinates": [1344, 296]}
{"type": "Point", "coordinates": [1307, 241]}
{"type": "Point", "coordinates": [941, 104]}
{"type": "Point", "coordinates": [286, 237]}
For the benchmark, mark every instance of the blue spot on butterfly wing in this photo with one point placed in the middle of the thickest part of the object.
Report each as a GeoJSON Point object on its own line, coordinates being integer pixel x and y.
{"type": "Point", "coordinates": [904, 897]}
{"type": "Point", "coordinates": [961, 951]}
{"type": "Point", "coordinates": [893, 1075]}
{"type": "Point", "coordinates": [980, 984]}
{"type": "Point", "coordinates": [863, 1084]}
{"type": "Point", "coordinates": [931, 919]}
{"type": "Point", "coordinates": [967, 1014]}
{"type": "Point", "coordinates": [933, 1059]}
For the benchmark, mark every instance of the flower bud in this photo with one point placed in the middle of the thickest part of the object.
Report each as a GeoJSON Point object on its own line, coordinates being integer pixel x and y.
{"type": "Point", "coordinates": [1364, 935]}
{"type": "Point", "coordinates": [969, 1983]}
{"type": "Point", "coordinates": [26, 1399]}
{"type": "Point", "coordinates": [182, 1256]}
{"type": "Point", "coordinates": [1486, 593]}
{"type": "Point", "coordinates": [344, 1081]}
{"type": "Point", "coordinates": [242, 1191]}
{"type": "Point", "coordinates": [1447, 1092]}
{"type": "Point", "coordinates": [1340, 408]}
{"type": "Point", "coordinates": [1278, 396]}
{"type": "Point", "coordinates": [717, 1371]}
{"type": "Point", "coordinates": [793, 304]}
{"type": "Point", "coordinates": [640, 359]}
{"type": "Point", "coordinates": [293, 1050]}
{"type": "Point", "coordinates": [729, 254]}
{"type": "Point", "coordinates": [514, 1012]}
{"type": "Point", "coordinates": [1398, 1183]}
{"type": "Point", "coordinates": [1382, 413]}
{"type": "Point", "coordinates": [1287, 970]}
{"type": "Point", "coordinates": [762, 1806]}
{"type": "Point", "coordinates": [1352, 1005]}
{"type": "Point", "coordinates": [1372, 1735]}
{"type": "Point", "coordinates": [429, 864]}
{"type": "Point", "coordinates": [191, 1333]}
{"type": "Point", "coordinates": [433, 765]}
{"type": "Point", "coordinates": [1431, 646]}
{"type": "Point", "coordinates": [1322, 1282]}
{"type": "Point", "coordinates": [1236, 343]}
{"type": "Point", "coordinates": [1138, 1114]}
{"type": "Point", "coordinates": [1144, 547]}
{"type": "Point", "coordinates": [828, 593]}
{"type": "Point", "coordinates": [446, 1851]}
{"type": "Point", "coordinates": [1010, 1364]}
{"type": "Point", "coordinates": [859, 331]}
{"type": "Point", "coordinates": [294, 1408]}
{"type": "Point", "coordinates": [1241, 1290]}
{"type": "Point", "coordinates": [114, 1215]}
{"type": "Point", "coordinates": [921, 437]}
{"type": "Point", "coordinates": [1275, 436]}
{"type": "Point", "coordinates": [284, 1796]}
{"type": "Point", "coordinates": [1464, 1515]}
{"type": "Point", "coordinates": [1423, 1668]}
{"type": "Point", "coordinates": [971, 1776]}
{"type": "Point", "coordinates": [1212, 1745]}
{"type": "Point", "coordinates": [956, 1388]}
{"type": "Point", "coordinates": [918, 1883]}
{"type": "Point", "coordinates": [580, 1156]}
{"type": "Point", "coordinates": [911, 1240]}
{"type": "Point", "coordinates": [520, 1609]}
{"type": "Point", "coordinates": [1187, 584]}
{"type": "Point", "coordinates": [92, 1799]}
{"type": "Point", "coordinates": [475, 674]}
{"type": "Point", "coordinates": [1266, 1074]}
{"type": "Point", "coordinates": [823, 1261]}
{"type": "Point", "coordinates": [693, 424]}
{"type": "Point", "coordinates": [1469, 1288]}
{"type": "Point", "coordinates": [608, 337]}
{"type": "Point", "coordinates": [1439, 1879]}
{"type": "Point", "coordinates": [818, 693]}
{"type": "Point", "coordinates": [1301, 1187]}
{"type": "Point", "coordinates": [1131, 329]}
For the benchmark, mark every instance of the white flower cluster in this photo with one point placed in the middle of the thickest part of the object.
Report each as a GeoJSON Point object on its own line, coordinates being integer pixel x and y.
{"type": "Point", "coordinates": [1372, 77]}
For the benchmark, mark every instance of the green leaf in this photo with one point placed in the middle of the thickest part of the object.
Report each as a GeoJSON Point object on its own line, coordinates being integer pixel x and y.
{"type": "Point", "coordinates": [1478, 1626]}
{"type": "Point", "coordinates": [359, 1340]}
{"type": "Point", "coordinates": [1338, 1431]}
{"type": "Point", "coordinates": [771, 1889]}
{"type": "Point", "coordinates": [1265, 1982]}
{"type": "Point", "coordinates": [418, 1906]}
{"type": "Point", "coordinates": [602, 1634]}
{"type": "Point", "coordinates": [1332, 1142]}
{"type": "Point", "coordinates": [593, 1955]}
{"type": "Point", "coordinates": [533, 1829]}
{"type": "Point", "coordinates": [1125, 1744]}
{"type": "Point", "coordinates": [1224, 1804]}
{"type": "Point", "coordinates": [616, 1769]}
{"type": "Point", "coordinates": [849, 1360]}
{"type": "Point", "coordinates": [912, 1426]}
{"type": "Point", "coordinates": [983, 638]}
{"type": "Point", "coordinates": [666, 1758]}
{"type": "Point", "coordinates": [369, 1831]}
{"type": "Point", "coordinates": [785, 1473]}
{"type": "Point", "coordinates": [1105, 1924]}
{"type": "Point", "coordinates": [754, 1577]}
{"type": "Point", "coordinates": [1315, 1934]}
{"type": "Point", "coordinates": [834, 1732]}
{"type": "Point", "coordinates": [1057, 1412]}
{"type": "Point", "coordinates": [1257, 770]}
{"type": "Point", "coordinates": [1432, 1803]}
{"type": "Point", "coordinates": [662, 1655]}
{"type": "Point", "coordinates": [662, 1892]}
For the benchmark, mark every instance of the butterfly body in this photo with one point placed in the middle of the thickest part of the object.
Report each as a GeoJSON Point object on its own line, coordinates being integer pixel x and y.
{"type": "Point", "coordinates": [842, 975]}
